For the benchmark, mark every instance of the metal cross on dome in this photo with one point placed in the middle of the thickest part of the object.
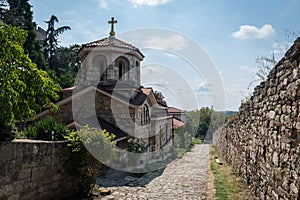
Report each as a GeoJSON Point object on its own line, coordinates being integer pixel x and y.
{"type": "Point", "coordinates": [112, 22]}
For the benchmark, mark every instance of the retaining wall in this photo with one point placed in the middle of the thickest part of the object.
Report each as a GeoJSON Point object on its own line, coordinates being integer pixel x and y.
{"type": "Point", "coordinates": [36, 170]}
{"type": "Point", "coordinates": [262, 142]}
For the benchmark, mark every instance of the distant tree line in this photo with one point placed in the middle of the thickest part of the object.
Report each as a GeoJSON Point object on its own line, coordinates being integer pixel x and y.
{"type": "Point", "coordinates": [200, 123]}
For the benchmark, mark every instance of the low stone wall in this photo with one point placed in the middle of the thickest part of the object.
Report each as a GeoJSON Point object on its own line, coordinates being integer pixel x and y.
{"type": "Point", "coordinates": [36, 170]}
{"type": "Point", "coordinates": [262, 142]}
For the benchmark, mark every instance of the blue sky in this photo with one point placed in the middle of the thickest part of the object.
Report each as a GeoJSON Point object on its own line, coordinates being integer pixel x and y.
{"type": "Point", "coordinates": [232, 33]}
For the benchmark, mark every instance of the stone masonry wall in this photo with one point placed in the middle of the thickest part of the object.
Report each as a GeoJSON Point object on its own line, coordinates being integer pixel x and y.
{"type": "Point", "coordinates": [262, 142]}
{"type": "Point", "coordinates": [36, 170]}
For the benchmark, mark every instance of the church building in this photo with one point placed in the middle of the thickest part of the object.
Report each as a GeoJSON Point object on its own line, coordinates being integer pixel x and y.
{"type": "Point", "coordinates": [109, 95]}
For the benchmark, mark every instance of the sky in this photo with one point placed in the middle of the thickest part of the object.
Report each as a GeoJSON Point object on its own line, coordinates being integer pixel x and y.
{"type": "Point", "coordinates": [197, 53]}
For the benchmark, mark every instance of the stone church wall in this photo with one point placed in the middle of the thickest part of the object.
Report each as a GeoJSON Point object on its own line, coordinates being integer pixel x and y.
{"type": "Point", "coordinates": [36, 170]}
{"type": "Point", "coordinates": [262, 142]}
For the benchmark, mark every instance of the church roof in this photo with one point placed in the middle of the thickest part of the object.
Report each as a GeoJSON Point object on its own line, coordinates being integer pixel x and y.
{"type": "Point", "coordinates": [175, 110]}
{"type": "Point", "coordinates": [113, 42]}
{"type": "Point", "coordinates": [177, 123]}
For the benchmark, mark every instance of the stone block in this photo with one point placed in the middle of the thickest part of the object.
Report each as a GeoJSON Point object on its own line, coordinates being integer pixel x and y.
{"type": "Point", "coordinates": [4, 180]}
{"type": "Point", "coordinates": [24, 174]}
{"type": "Point", "coordinates": [294, 189]}
{"type": "Point", "coordinates": [19, 186]}
{"type": "Point", "coordinates": [272, 114]}
{"type": "Point", "coordinates": [14, 197]}
{"type": "Point", "coordinates": [7, 190]}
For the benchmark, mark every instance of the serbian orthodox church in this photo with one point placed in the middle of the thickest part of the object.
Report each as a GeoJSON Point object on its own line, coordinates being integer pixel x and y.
{"type": "Point", "coordinates": [109, 95]}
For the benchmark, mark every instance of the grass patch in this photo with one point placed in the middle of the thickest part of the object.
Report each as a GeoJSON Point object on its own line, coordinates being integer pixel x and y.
{"type": "Point", "coordinates": [227, 184]}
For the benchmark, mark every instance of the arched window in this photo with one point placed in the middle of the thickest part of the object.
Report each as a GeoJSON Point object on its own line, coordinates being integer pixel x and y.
{"type": "Point", "coordinates": [103, 71]}
{"type": "Point", "coordinates": [121, 68]}
{"type": "Point", "coordinates": [145, 118]}
{"type": "Point", "coordinates": [122, 64]}
{"type": "Point", "coordinates": [99, 67]}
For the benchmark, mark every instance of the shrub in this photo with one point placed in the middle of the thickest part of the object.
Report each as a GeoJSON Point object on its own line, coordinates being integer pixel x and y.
{"type": "Point", "coordinates": [47, 129]}
{"type": "Point", "coordinates": [136, 145]}
{"type": "Point", "coordinates": [85, 165]}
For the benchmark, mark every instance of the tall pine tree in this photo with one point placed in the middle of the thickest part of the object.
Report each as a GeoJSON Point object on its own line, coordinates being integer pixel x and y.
{"type": "Point", "coordinates": [51, 41]}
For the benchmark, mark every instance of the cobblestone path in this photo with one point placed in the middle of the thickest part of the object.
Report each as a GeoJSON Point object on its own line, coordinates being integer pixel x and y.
{"type": "Point", "coordinates": [185, 178]}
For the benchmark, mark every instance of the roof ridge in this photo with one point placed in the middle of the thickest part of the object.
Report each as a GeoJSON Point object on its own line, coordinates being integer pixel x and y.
{"type": "Point", "coordinates": [110, 41]}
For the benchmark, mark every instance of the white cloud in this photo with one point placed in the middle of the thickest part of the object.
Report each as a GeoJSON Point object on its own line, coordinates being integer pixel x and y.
{"type": "Point", "coordinates": [252, 32]}
{"type": "Point", "coordinates": [153, 69]}
{"type": "Point", "coordinates": [170, 42]}
{"type": "Point", "coordinates": [249, 69]}
{"type": "Point", "coordinates": [148, 2]}
{"type": "Point", "coordinates": [170, 55]}
{"type": "Point", "coordinates": [202, 87]}
{"type": "Point", "coordinates": [103, 4]}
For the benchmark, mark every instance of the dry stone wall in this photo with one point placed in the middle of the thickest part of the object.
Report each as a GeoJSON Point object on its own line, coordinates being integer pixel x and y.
{"type": "Point", "coordinates": [36, 170]}
{"type": "Point", "coordinates": [262, 142]}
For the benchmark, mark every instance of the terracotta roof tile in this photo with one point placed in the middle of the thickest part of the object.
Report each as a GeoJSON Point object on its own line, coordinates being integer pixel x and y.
{"type": "Point", "coordinates": [174, 110]}
{"type": "Point", "coordinates": [111, 41]}
{"type": "Point", "coordinates": [146, 91]}
{"type": "Point", "coordinates": [177, 123]}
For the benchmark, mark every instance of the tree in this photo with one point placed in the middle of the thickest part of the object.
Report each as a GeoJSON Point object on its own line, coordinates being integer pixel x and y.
{"type": "Point", "coordinates": [266, 63]}
{"type": "Point", "coordinates": [3, 8]}
{"type": "Point", "coordinates": [204, 121]}
{"type": "Point", "coordinates": [66, 64]}
{"type": "Point", "coordinates": [24, 88]}
{"type": "Point", "coordinates": [18, 13]}
{"type": "Point", "coordinates": [51, 41]}
{"type": "Point", "coordinates": [160, 97]}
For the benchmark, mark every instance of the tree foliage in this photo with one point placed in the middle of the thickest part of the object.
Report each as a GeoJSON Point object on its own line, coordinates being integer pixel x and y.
{"type": "Point", "coordinates": [18, 13]}
{"type": "Point", "coordinates": [160, 97]}
{"type": "Point", "coordinates": [24, 88]}
{"type": "Point", "coordinates": [202, 122]}
{"type": "Point", "coordinates": [66, 64]}
{"type": "Point", "coordinates": [51, 41]}
{"type": "Point", "coordinates": [84, 164]}
{"type": "Point", "coordinates": [47, 129]}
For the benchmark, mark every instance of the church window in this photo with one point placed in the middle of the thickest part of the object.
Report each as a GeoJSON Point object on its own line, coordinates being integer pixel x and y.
{"type": "Point", "coordinates": [121, 67]}
{"type": "Point", "coordinates": [152, 143]}
{"type": "Point", "coordinates": [99, 67]}
{"type": "Point", "coordinates": [145, 118]}
{"type": "Point", "coordinates": [122, 64]}
{"type": "Point", "coordinates": [137, 63]}
{"type": "Point", "coordinates": [103, 75]}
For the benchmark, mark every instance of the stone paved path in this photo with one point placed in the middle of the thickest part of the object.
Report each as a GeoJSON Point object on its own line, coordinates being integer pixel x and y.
{"type": "Point", "coordinates": [185, 178]}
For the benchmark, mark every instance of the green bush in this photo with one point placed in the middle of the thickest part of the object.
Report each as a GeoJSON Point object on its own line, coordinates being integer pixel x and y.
{"type": "Point", "coordinates": [84, 164]}
{"type": "Point", "coordinates": [47, 129]}
{"type": "Point", "coordinates": [136, 145]}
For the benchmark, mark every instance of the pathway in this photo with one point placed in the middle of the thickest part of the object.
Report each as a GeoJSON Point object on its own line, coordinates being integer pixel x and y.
{"type": "Point", "coordinates": [185, 178]}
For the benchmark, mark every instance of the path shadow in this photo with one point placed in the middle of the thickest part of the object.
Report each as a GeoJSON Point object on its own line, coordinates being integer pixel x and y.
{"type": "Point", "coordinates": [108, 177]}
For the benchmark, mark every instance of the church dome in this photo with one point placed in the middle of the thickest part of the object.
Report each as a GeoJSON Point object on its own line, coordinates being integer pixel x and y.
{"type": "Point", "coordinates": [111, 42]}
